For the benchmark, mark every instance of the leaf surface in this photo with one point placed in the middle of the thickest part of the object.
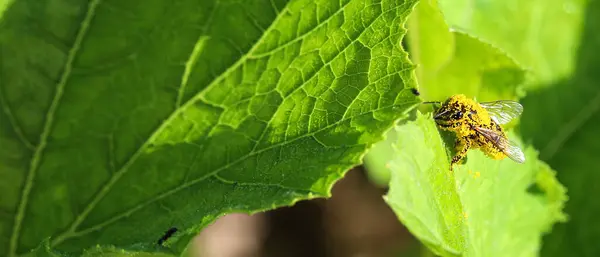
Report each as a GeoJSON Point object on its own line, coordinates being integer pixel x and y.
{"type": "Point", "coordinates": [486, 207]}
{"type": "Point", "coordinates": [451, 62]}
{"type": "Point", "coordinates": [482, 208]}
{"type": "Point", "coordinates": [542, 35]}
{"type": "Point", "coordinates": [123, 119]}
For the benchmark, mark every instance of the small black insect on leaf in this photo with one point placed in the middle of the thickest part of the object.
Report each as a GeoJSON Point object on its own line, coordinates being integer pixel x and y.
{"type": "Point", "coordinates": [415, 91]}
{"type": "Point", "coordinates": [167, 235]}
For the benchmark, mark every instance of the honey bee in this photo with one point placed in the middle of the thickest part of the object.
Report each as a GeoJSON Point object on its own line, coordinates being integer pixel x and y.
{"type": "Point", "coordinates": [477, 125]}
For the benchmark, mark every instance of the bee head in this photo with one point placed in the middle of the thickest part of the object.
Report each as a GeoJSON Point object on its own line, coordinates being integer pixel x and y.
{"type": "Point", "coordinates": [451, 112]}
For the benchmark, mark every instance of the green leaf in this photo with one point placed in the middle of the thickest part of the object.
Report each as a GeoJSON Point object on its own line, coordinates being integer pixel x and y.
{"type": "Point", "coordinates": [486, 207]}
{"type": "Point", "coordinates": [449, 63]}
{"type": "Point", "coordinates": [542, 35]}
{"type": "Point", "coordinates": [563, 122]}
{"type": "Point", "coordinates": [114, 252]}
{"type": "Point", "coordinates": [122, 119]}
{"type": "Point", "coordinates": [482, 208]}
{"type": "Point", "coordinates": [44, 250]}
{"type": "Point", "coordinates": [455, 63]}
{"type": "Point", "coordinates": [3, 5]}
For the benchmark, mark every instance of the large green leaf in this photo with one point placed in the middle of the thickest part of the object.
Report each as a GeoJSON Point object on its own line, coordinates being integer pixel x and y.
{"type": "Point", "coordinates": [563, 121]}
{"type": "Point", "coordinates": [122, 119]}
{"type": "Point", "coordinates": [558, 40]}
{"type": "Point", "coordinates": [451, 62]}
{"type": "Point", "coordinates": [481, 208]}
{"type": "Point", "coordinates": [541, 35]}
{"type": "Point", "coordinates": [44, 250]}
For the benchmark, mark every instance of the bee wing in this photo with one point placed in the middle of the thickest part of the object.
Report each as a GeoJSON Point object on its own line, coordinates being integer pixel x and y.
{"type": "Point", "coordinates": [508, 147]}
{"type": "Point", "coordinates": [503, 111]}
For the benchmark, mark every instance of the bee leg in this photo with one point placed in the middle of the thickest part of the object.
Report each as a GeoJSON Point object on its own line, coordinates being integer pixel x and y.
{"type": "Point", "coordinates": [462, 146]}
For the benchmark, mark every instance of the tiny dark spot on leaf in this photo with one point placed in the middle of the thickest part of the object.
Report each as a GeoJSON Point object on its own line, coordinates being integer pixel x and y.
{"type": "Point", "coordinates": [167, 235]}
{"type": "Point", "coordinates": [415, 91]}
{"type": "Point", "coordinates": [535, 189]}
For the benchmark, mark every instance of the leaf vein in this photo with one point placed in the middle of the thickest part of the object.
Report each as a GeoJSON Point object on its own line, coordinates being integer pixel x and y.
{"type": "Point", "coordinates": [107, 186]}
{"type": "Point", "coordinates": [258, 184]}
{"type": "Point", "coordinates": [35, 161]}
{"type": "Point", "coordinates": [314, 74]}
{"type": "Point", "coordinates": [14, 123]}
{"type": "Point", "coordinates": [362, 90]}
{"type": "Point", "coordinates": [274, 7]}
{"type": "Point", "coordinates": [129, 212]}
{"type": "Point", "coordinates": [299, 37]}
{"type": "Point", "coordinates": [189, 65]}
{"type": "Point", "coordinates": [117, 175]}
{"type": "Point", "coordinates": [193, 58]}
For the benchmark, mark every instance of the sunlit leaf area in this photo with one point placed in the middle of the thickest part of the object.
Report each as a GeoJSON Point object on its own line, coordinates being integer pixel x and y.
{"type": "Point", "coordinates": [299, 128]}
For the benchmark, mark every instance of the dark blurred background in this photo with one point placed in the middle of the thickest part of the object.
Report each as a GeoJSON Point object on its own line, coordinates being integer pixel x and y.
{"type": "Point", "coordinates": [354, 222]}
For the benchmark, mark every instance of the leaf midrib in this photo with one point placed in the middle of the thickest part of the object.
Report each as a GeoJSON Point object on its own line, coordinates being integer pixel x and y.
{"type": "Point", "coordinates": [214, 173]}
{"type": "Point", "coordinates": [71, 232]}
{"type": "Point", "coordinates": [118, 174]}
{"type": "Point", "coordinates": [39, 150]}
{"type": "Point", "coordinates": [108, 186]}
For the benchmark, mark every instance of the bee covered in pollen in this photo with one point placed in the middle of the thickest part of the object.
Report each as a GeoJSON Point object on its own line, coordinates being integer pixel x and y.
{"type": "Point", "coordinates": [477, 125]}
